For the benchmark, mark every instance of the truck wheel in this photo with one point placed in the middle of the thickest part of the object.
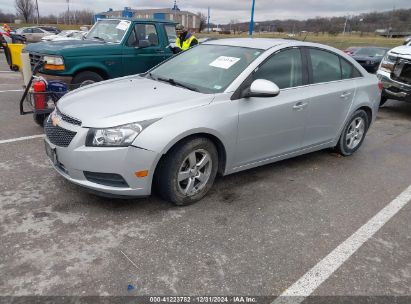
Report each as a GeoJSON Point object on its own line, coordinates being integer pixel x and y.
{"type": "Point", "coordinates": [40, 119]}
{"type": "Point", "coordinates": [86, 78]}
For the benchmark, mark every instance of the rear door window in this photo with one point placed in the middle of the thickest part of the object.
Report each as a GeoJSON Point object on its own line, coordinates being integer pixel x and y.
{"type": "Point", "coordinates": [325, 66]}
{"type": "Point", "coordinates": [348, 70]}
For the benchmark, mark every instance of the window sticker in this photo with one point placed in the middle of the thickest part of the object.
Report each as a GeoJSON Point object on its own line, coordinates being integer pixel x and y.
{"type": "Point", "coordinates": [217, 87]}
{"type": "Point", "coordinates": [123, 25]}
{"type": "Point", "coordinates": [224, 62]}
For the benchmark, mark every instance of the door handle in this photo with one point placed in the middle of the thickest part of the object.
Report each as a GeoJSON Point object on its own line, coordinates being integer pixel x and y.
{"type": "Point", "coordinates": [345, 94]}
{"type": "Point", "coordinates": [300, 106]}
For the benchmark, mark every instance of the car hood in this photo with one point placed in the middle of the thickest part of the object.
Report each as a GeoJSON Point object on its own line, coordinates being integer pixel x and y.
{"type": "Point", "coordinates": [404, 51]}
{"type": "Point", "coordinates": [127, 100]}
{"type": "Point", "coordinates": [72, 47]}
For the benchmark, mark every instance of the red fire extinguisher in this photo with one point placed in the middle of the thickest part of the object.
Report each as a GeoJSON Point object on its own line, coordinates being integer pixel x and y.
{"type": "Point", "coordinates": [40, 98]}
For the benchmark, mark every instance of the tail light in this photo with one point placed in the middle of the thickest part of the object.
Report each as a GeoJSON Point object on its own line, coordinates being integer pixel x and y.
{"type": "Point", "coordinates": [380, 85]}
{"type": "Point", "coordinates": [39, 88]}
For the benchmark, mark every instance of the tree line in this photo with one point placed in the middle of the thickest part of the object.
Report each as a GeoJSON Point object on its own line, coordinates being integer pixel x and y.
{"type": "Point", "coordinates": [394, 21]}
{"type": "Point", "coordinates": [27, 12]}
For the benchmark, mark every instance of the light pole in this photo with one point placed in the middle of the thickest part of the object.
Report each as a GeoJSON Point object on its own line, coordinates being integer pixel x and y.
{"type": "Point", "coordinates": [68, 11]}
{"type": "Point", "coordinates": [38, 14]}
{"type": "Point", "coordinates": [252, 19]}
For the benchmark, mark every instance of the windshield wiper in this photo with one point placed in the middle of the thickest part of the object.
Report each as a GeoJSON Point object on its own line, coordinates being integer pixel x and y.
{"type": "Point", "coordinates": [99, 38]}
{"type": "Point", "coordinates": [176, 83]}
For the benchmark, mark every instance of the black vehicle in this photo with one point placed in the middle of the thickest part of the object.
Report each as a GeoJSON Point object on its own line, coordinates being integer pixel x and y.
{"type": "Point", "coordinates": [370, 57]}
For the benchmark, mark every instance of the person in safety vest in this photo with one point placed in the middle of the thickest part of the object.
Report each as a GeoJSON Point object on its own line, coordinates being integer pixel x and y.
{"type": "Point", "coordinates": [185, 39]}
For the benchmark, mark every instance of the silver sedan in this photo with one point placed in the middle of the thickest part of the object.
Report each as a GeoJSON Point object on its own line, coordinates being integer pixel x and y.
{"type": "Point", "coordinates": [218, 108]}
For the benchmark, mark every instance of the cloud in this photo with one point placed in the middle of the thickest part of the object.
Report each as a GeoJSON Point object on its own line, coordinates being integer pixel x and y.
{"type": "Point", "coordinates": [224, 11]}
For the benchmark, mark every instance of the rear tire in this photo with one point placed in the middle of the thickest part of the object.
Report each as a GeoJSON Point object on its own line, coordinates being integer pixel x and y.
{"type": "Point", "coordinates": [353, 134]}
{"type": "Point", "coordinates": [188, 171]}
{"type": "Point", "coordinates": [86, 78]}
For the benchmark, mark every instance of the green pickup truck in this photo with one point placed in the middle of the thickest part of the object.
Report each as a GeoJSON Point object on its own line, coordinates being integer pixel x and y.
{"type": "Point", "coordinates": [112, 48]}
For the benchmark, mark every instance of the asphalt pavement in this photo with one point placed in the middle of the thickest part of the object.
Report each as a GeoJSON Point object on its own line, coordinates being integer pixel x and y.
{"type": "Point", "coordinates": [256, 233]}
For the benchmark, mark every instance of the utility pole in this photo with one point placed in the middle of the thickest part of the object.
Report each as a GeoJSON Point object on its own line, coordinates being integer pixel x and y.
{"type": "Point", "coordinates": [68, 11]}
{"type": "Point", "coordinates": [38, 14]}
{"type": "Point", "coordinates": [345, 24]}
{"type": "Point", "coordinates": [250, 32]}
{"type": "Point", "coordinates": [208, 20]}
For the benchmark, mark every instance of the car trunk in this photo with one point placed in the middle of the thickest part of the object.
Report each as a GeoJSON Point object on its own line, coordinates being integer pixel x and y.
{"type": "Point", "coordinates": [402, 71]}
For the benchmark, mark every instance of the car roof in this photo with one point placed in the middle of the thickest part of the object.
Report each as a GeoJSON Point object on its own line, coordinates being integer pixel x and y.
{"type": "Point", "coordinates": [256, 43]}
{"type": "Point", "coordinates": [141, 20]}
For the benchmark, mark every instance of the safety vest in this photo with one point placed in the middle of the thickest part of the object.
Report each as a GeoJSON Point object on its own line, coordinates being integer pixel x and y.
{"type": "Point", "coordinates": [186, 43]}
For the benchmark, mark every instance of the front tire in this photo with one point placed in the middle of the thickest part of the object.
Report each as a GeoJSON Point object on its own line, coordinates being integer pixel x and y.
{"type": "Point", "coordinates": [85, 78]}
{"type": "Point", "coordinates": [188, 171]}
{"type": "Point", "coordinates": [353, 134]}
{"type": "Point", "coordinates": [40, 119]}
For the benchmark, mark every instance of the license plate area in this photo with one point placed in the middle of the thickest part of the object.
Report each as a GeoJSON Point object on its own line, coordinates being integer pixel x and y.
{"type": "Point", "coordinates": [51, 153]}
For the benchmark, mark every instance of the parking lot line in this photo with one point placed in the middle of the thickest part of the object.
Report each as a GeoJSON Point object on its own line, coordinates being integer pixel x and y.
{"type": "Point", "coordinates": [311, 280]}
{"type": "Point", "coordinates": [5, 141]}
{"type": "Point", "coordinates": [6, 91]}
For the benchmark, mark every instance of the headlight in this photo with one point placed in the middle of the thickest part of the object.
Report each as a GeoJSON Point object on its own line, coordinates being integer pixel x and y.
{"type": "Point", "coordinates": [388, 63]}
{"type": "Point", "coordinates": [55, 63]}
{"type": "Point", "coordinates": [121, 136]}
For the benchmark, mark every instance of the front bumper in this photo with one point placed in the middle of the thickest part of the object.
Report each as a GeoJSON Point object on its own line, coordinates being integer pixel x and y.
{"type": "Point", "coordinates": [394, 89]}
{"type": "Point", "coordinates": [73, 161]}
{"type": "Point", "coordinates": [65, 79]}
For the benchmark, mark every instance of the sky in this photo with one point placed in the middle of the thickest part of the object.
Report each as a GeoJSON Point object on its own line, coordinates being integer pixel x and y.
{"type": "Point", "coordinates": [222, 11]}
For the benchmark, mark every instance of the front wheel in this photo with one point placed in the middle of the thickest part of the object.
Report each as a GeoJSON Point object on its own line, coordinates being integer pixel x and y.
{"type": "Point", "coordinates": [40, 119]}
{"type": "Point", "coordinates": [85, 78]}
{"type": "Point", "coordinates": [353, 133]}
{"type": "Point", "coordinates": [188, 171]}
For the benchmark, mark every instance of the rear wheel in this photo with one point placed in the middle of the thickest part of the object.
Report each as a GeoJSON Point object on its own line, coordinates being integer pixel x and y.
{"type": "Point", "coordinates": [353, 133]}
{"type": "Point", "coordinates": [86, 78]}
{"type": "Point", "coordinates": [188, 171]}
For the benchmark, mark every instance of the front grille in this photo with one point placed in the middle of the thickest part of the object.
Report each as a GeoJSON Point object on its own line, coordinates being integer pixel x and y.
{"type": "Point", "coordinates": [34, 59]}
{"type": "Point", "coordinates": [106, 179]}
{"type": "Point", "coordinates": [57, 135]}
{"type": "Point", "coordinates": [68, 119]}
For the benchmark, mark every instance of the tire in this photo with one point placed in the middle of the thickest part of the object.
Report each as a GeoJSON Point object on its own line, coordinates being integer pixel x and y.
{"type": "Point", "coordinates": [177, 162]}
{"type": "Point", "coordinates": [383, 100]}
{"type": "Point", "coordinates": [86, 78]}
{"type": "Point", "coordinates": [40, 119]}
{"type": "Point", "coordinates": [352, 137]}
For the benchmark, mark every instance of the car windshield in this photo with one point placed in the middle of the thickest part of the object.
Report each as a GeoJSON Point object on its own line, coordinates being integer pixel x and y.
{"type": "Point", "coordinates": [206, 68]}
{"type": "Point", "coordinates": [371, 52]}
{"type": "Point", "coordinates": [109, 30]}
{"type": "Point", "coordinates": [64, 33]}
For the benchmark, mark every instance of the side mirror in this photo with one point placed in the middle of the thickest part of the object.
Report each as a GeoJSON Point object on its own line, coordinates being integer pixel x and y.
{"type": "Point", "coordinates": [262, 88]}
{"type": "Point", "coordinates": [143, 44]}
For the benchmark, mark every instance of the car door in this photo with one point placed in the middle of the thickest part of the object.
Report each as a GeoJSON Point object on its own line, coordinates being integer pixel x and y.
{"type": "Point", "coordinates": [38, 34]}
{"type": "Point", "coordinates": [28, 34]}
{"type": "Point", "coordinates": [138, 59]}
{"type": "Point", "coordinates": [272, 126]}
{"type": "Point", "coordinates": [331, 93]}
